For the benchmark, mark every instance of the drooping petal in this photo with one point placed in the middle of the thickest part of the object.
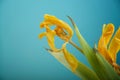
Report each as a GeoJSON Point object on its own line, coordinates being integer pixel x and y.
{"type": "Point", "coordinates": [107, 33]}
{"type": "Point", "coordinates": [50, 37]}
{"type": "Point", "coordinates": [50, 34]}
{"type": "Point", "coordinates": [115, 45]}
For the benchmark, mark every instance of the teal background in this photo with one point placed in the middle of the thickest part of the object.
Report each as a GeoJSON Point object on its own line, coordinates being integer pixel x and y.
{"type": "Point", "coordinates": [22, 54]}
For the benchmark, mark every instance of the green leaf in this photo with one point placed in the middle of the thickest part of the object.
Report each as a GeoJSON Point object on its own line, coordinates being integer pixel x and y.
{"type": "Point", "coordinates": [110, 71]}
{"type": "Point", "coordinates": [85, 73]}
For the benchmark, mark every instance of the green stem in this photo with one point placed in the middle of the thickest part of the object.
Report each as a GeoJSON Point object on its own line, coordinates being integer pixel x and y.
{"type": "Point", "coordinates": [78, 48]}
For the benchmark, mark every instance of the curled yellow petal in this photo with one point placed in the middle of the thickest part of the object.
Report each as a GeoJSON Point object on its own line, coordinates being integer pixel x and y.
{"type": "Point", "coordinates": [115, 45]}
{"type": "Point", "coordinates": [62, 30]}
{"type": "Point", "coordinates": [61, 27]}
{"type": "Point", "coordinates": [107, 33]}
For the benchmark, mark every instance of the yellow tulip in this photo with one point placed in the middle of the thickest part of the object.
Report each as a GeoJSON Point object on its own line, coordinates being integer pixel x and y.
{"type": "Point", "coordinates": [63, 31]}
{"type": "Point", "coordinates": [107, 33]}
{"type": "Point", "coordinates": [108, 46]}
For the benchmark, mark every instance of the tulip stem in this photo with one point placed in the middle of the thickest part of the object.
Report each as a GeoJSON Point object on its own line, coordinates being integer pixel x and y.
{"type": "Point", "coordinates": [78, 48]}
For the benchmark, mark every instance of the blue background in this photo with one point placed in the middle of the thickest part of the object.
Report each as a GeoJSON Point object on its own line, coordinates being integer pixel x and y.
{"type": "Point", "coordinates": [22, 54]}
